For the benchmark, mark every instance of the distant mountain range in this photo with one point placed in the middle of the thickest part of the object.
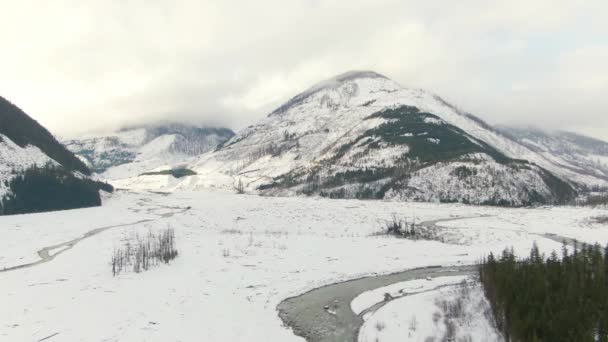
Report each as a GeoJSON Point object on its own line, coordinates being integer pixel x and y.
{"type": "Point", "coordinates": [357, 135]}
{"type": "Point", "coordinates": [581, 154]}
{"type": "Point", "coordinates": [37, 173]}
{"type": "Point", "coordinates": [362, 135]}
{"type": "Point", "coordinates": [133, 151]}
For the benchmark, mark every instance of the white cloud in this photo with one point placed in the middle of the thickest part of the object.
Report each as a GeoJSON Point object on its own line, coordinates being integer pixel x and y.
{"type": "Point", "coordinates": [585, 68]}
{"type": "Point", "coordinates": [78, 65]}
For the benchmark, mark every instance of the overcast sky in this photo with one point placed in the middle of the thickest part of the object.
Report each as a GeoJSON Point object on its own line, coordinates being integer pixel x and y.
{"type": "Point", "coordinates": [77, 65]}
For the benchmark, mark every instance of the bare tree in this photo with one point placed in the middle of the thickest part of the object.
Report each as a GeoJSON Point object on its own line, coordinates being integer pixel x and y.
{"type": "Point", "coordinates": [147, 252]}
{"type": "Point", "coordinates": [240, 187]}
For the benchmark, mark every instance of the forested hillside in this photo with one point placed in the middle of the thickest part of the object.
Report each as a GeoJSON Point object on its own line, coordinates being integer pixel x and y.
{"type": "Point", "coordinates": [552, 299]}
{"type": "Point", "coordinates": [23, 131]}
{"type": "Point", "coordinates": [49, 188]}
{"type": "Point", "coordinates": [37, 173]}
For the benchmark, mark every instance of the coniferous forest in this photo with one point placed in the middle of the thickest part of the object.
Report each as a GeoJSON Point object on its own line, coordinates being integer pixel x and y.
{"type": "Point", "coordinates": [49, 188]}
{"type": "Point", "coordinates": [557, 298]}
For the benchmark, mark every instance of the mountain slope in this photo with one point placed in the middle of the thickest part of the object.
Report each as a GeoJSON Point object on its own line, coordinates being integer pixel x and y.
{"type": "Point", "coordinates": [133, 151]}
{"type": "Point", "coordinates": [37, 173]}
{"type": "Point", "coordinates": [572, 151]}
{"type": "Point", "coordinates": [25, 131]}
{"type": "Point", "coordinates": [362, 135]}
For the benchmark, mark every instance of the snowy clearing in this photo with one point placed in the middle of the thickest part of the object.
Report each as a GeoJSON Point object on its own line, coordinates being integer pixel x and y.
{"type": "Point", "coordinates": [421, 317]}
{"type": "Point", "coordinates": [370, 298]}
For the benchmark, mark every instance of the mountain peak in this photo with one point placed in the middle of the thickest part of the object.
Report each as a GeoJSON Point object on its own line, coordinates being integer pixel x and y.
{"type": "Point", "coordinates": [331, 83]}
{"type": "Point", "coordinates": [355, 74]}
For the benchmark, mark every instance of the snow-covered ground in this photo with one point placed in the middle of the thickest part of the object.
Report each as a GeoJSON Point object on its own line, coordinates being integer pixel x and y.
{"type": "Point", "coordinates": [421, 317]}
{"type": "Point", "coordinates": [406, 288]}
{"type": "Point", "coordinates": [239, 257]}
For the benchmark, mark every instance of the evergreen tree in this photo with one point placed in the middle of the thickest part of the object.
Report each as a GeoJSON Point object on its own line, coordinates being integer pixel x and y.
{"type": "Point", "coordinates": [549, 299]}
{"type": "Point", "coordinates": [50, 188]}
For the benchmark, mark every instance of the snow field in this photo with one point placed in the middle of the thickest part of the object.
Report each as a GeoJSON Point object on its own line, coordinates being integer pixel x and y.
{"type": "Point", "coordinates": [239, 257]}
{"type": "Point", "coordinates": [420, 318]}
{"type": "Point", "coordinates": [371, 298]}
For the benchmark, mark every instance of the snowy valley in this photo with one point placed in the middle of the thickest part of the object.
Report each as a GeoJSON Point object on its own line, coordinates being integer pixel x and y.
{"type": "Point", "coordinates": [303, 171]}
{"type": "Point", "coordinates": [240, 256]}
{"type": "Point", "coordinates": [133, 151]}
{"type": "Point", "coordinates": [357, 211]}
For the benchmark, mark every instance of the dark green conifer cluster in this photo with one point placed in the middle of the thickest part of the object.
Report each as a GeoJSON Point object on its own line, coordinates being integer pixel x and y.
{"type": "Point", "coordinates": [559, 298]}
{"type": "Point", "coordinates": [49, 188]}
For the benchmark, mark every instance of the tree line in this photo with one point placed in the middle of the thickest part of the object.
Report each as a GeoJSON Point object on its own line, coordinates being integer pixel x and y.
{"type": "Point", "coordinates": [47, 188]}
{"type": "Point", "coordinates": [556, 298]}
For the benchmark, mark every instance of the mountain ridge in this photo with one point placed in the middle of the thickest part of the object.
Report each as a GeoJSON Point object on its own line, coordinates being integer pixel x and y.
{"type": "Point", "coordinates": [339, 139]}
{"type": "Point", "coordinates": [37, 173]}
{"type": "Point", "coordinates": [582, 153]}
{"type": "Point", "coordinates": [134, 150]}
{"type": "Point", "coordinates": [333, 82]}
{"type": "Point", "coordinates": [20, 128]}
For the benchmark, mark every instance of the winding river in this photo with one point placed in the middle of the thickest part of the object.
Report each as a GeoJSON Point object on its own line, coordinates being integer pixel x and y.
{"type": "Point", "coordinates": [324, 314]}
{"type": "Point", "coordinates": [46, 254]}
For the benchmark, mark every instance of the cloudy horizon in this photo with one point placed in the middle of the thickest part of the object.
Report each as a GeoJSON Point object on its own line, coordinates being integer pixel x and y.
{"type": "Point", "coordinates": [79, 67]}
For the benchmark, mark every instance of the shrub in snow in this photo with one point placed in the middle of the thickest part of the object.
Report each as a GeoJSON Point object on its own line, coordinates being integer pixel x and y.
{"type": "Point", "coordinates": [401, 228]}
{"type": "Point", "coordinates": [149, 251]}
{"type": "Point", "coordinates": [458, 313]}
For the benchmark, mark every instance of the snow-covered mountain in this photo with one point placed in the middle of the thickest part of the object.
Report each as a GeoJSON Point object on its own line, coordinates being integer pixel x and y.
{"type": "Point", "coordinates": [132, 151]}
{"type": "Point", "coordinates": [14, 158]}
{"type": "Point", "coordinates": [37, 173]}
{"type": "Point", "coordinates": [363, 135]}
{"type": "Point", "coordinates": [582, 154]}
